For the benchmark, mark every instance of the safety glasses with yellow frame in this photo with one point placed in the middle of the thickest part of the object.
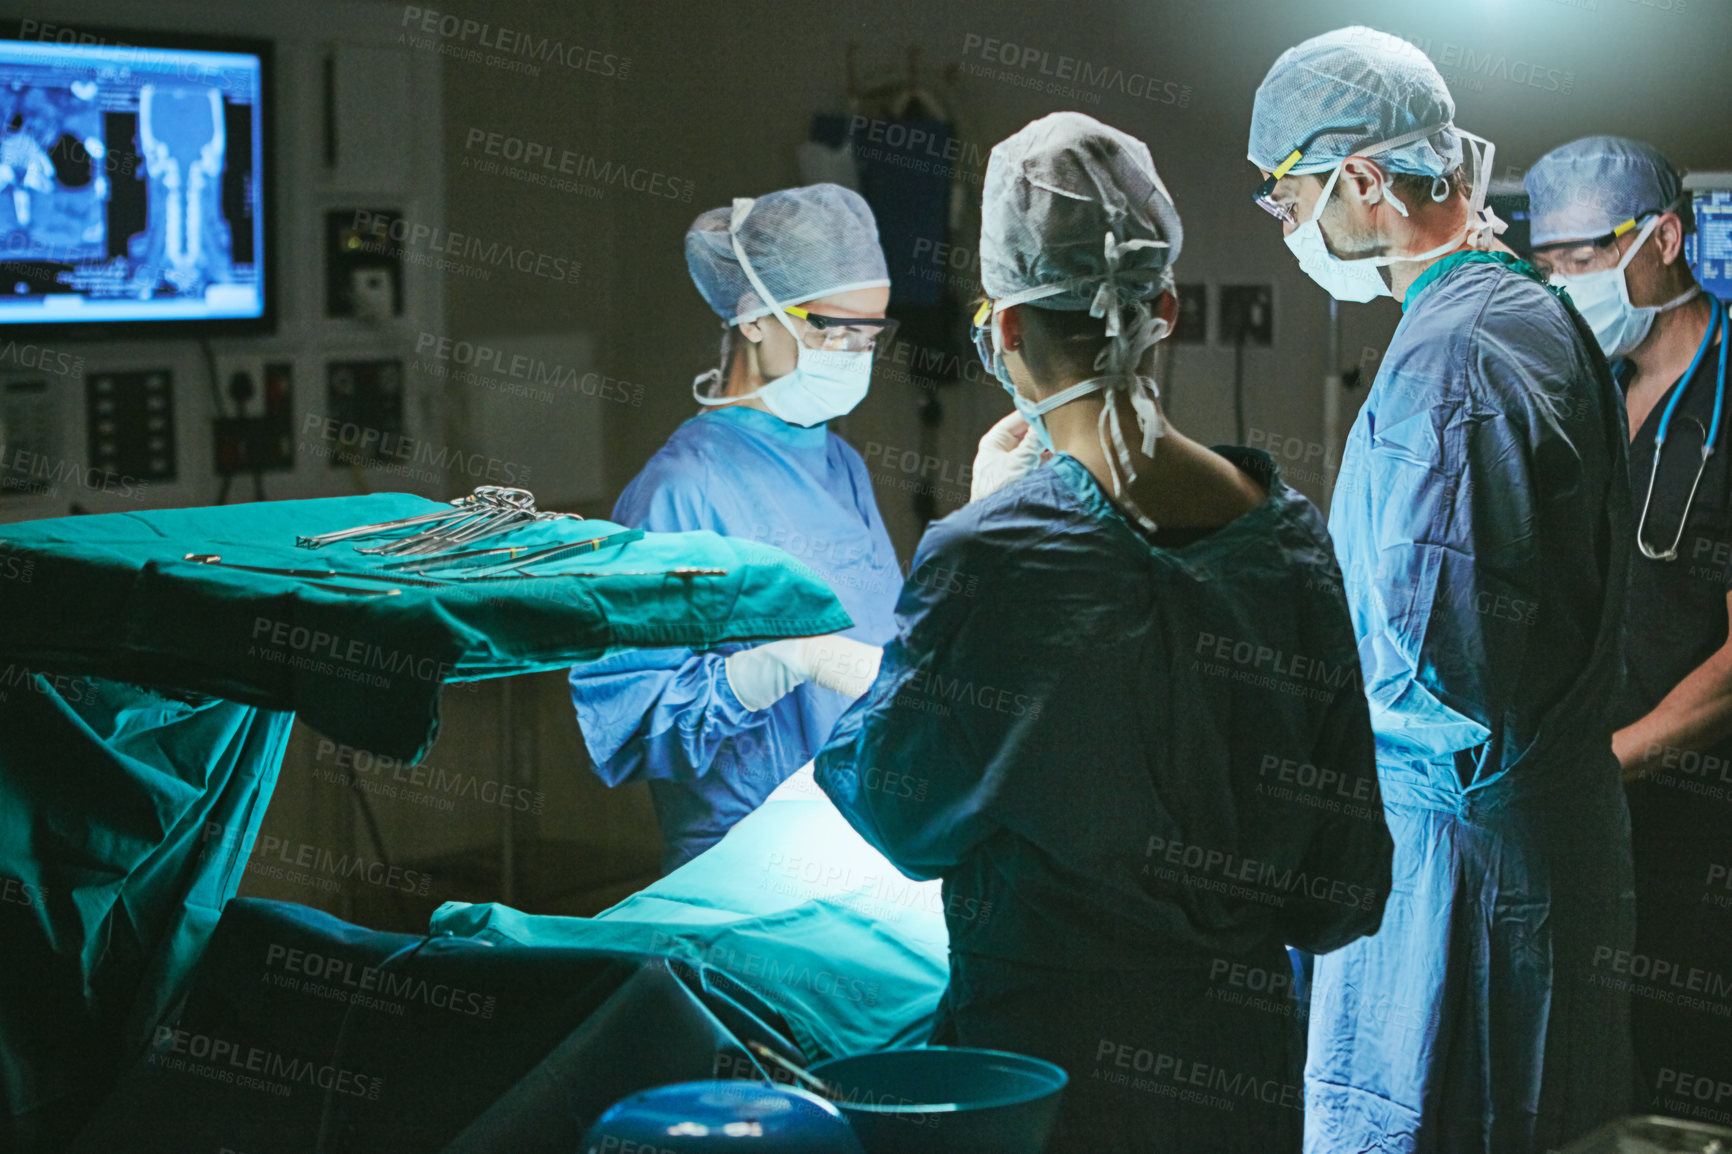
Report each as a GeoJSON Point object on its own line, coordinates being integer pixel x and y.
{"type": "Point", "coordinates": [1576, 257]}
{"type": "Point", "coordinates": [980, 332]}
{"type": "Point", "coordinates": [1264, 197]}
{"type": "Point", "coordinates": [844, 334]}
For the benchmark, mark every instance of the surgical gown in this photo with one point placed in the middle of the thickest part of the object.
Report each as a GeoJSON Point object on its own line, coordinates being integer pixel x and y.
{"type": "Point", "coordinates": [1139, 770]}
{"type": "Point", "coordinates": [669, 716]}
{"type": "Point", "coordinates": [1483, 526]}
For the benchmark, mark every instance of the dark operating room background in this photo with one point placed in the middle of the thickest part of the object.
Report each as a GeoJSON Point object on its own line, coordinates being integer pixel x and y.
{"type": "Point", "coordinates": [715, 100]}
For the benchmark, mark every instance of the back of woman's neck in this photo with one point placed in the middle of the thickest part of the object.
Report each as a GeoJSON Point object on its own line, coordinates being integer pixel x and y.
{"type": "Point", "coordinates": [1182, 485]}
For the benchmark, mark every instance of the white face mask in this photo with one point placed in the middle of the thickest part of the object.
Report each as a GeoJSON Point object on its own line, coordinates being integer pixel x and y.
{"type": "Point", "coordinates": [1603, 299]}
{"type": "Point", "coordinates": [1358, 280]}
{"type": "Point", "coordinates": [825, 383]}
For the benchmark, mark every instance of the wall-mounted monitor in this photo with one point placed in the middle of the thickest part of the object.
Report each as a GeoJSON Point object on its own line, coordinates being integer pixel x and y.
{"type": "Point", "coordinates": [134, 192]}
{"type": "Point", "coordinates": [1709, 249]}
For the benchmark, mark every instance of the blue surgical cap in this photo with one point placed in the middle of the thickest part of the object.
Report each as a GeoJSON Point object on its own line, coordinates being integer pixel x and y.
{"type": "Point", "coordinates": [1588, 187]}
{"type": "Point", "coordinates": [804, 243]}
{"type": "Point", "coordinates": [1337, 93]}
{"type": "Point", "coordinates": [1053, 192]}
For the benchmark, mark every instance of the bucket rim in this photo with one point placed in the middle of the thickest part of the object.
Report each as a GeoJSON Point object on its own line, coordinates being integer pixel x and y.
{"type": "Point", "coordinates": [1062, 1080]}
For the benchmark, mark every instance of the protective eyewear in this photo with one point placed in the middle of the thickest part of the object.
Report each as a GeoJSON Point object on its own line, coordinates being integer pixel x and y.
{"type": "Point", "coordinates": [844, 334]}
{"type": "Point", "coordinates": [1574, 257]}
{"type": "Point", "coordinates": [1264, 197]}
{"type": "Point", "coordinates": [980, 332]}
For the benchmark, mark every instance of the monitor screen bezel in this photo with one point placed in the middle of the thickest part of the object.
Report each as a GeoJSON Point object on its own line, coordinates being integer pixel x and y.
{"type": "Point", "coordinates": [193, 328]}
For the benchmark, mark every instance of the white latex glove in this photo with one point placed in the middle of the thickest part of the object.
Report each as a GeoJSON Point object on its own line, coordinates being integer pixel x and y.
{"type": "Point", "coordinates": [1008, 451]}
{"type": "Point", "coordinates": [764, 674]}
{"type": "Point", "coordinates": [843, 664]}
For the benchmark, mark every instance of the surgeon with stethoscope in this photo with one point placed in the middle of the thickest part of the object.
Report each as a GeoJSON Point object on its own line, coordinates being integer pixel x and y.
{"type": "Point", "coordinates": [1609, 217]}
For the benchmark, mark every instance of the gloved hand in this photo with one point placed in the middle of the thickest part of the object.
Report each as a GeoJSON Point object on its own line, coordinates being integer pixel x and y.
{"type": "Point", "coordinates": [1008, 451]}
{"type": "Point", "coordinates": [842, 664]}
{"type": "Point", "coordinates": [764, 674]}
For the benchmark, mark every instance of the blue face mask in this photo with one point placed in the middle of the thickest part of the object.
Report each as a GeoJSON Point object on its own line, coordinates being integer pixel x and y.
{"type": "Point", "coordinates": [1034, 412]}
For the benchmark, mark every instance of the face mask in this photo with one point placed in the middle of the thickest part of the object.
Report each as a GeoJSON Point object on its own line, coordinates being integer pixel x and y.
{"type": "Point", "coordinates": [1358, 280]}
{"type": "Point", "coordinates": [1034, 412]}
{"type": "Point", "coordinates": [824, 384]}
{"type": "Point", "coordinates": [1603, 299]}
{"type": "Point", "coordinates": [1031, 411]}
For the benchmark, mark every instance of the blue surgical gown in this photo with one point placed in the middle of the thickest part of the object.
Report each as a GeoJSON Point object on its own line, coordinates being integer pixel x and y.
{"type": "Point", "coordinates": [1483, 526]}
{"type": "Point", "coordinates": [1140, 770]}
{"type": "Point", "coordinates": [669, 716]}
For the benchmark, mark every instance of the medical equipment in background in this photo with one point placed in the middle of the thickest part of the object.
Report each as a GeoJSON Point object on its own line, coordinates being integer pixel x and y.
{"type": "Point", "coordinates": [695, 1117]}
{"type": "Point", "coordinates": [912, 151]}
{"type": "Point", "coordinates": [1709, 249]}
{"type": "Point", "coordinates": [1247, 317]}
{"type": "Point", "coordinates": [138, 183]}
{"type": "Point", "coordinates": [1653, 1135]}
{"type": "Point", "coordinates": [1508, 198]}
{"type": "Point", "coordinates": [1710, 436]}
{"type": "Point", "coordinates": [1332, 386]}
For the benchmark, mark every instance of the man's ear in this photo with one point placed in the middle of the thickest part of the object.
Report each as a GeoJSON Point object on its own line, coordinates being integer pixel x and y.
{"type": "Point", "coordinates": [1360, 178]}
{"type": "Point", "coordinates": [751, 331]}
{"type": "Point", "coordinates": [1669, 236]}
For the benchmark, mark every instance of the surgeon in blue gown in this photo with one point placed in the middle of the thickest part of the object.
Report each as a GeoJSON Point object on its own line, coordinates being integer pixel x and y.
{"type": "Point", "coordinates": [799, 280]}
{"type": "Point", "coordinates": [1482, 520]}
{"type": "Point", "coordinates": [1130, 736]}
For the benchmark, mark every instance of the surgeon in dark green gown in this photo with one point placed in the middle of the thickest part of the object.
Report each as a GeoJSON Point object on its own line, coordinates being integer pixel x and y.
{"type": "Point", "coordinates": [1131, 737]}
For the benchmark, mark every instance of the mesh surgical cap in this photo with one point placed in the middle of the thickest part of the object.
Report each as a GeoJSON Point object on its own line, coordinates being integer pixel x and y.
{"type": "Point", "coordinates": [1053, 193]}
{"type": "Point", "coordinates": [1073, 216]}
{"type": "Point", "coordinates": [1588, 187]}
{"type": "Point", "coordinates": [804, 243]}
{"type": "Point", "coordinates": [1339, 92]}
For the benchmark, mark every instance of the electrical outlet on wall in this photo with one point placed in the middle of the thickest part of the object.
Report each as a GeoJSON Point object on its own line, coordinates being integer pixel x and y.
{"type": "Point", "coordinates": [1247, 314]}
{"type": "Point", "coordinates": [258, 432]}
{"type": "Point", "coordinates": [1192, 325]}
{"type": "Point", "coordinates": [364, 402]}
{"type": "Point", "coordinates": [242, 379]}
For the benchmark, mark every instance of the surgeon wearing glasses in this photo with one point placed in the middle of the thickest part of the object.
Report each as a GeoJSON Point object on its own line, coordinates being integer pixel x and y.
{"type": "Point", "coordinates": [800, 284]}
{"type": "Point", "coordinates": [1609, 218]}
{"type": "Point", "coordinates": [1482, 520]}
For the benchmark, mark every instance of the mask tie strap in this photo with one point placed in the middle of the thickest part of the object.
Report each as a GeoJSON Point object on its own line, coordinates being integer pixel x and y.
{"type": "Point", "coordinates": [742, 209]}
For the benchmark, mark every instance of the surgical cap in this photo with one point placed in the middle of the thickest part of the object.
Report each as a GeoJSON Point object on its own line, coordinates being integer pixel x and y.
{"type": "Point", "coordinates": [1337, 93]}
{"type": "Point", "coordinates": [804, 243]}
{"type": "Point", "coordinates": [1053, 192]}
{"type": "Point", "coordinates": [1588, 187]}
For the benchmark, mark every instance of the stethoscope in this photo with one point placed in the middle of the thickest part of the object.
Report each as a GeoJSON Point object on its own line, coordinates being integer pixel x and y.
{"type": "Point", "coordinates": [1716, 323]}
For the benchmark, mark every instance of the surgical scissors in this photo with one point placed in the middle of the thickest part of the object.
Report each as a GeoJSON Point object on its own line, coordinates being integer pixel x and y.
{"type": "Point", "coordinates": [1717, 323]}
{"type": "Point", "coordinates": [487, 512]}
{"type": "Point", "coordinates": [317, 542]}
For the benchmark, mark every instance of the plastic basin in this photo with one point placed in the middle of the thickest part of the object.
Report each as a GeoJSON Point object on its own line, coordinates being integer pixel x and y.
{"type": "Point", "coordinates": [946, 1100]}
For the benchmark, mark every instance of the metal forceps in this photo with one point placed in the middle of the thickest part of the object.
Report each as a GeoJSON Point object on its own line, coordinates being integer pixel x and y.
{"type": "Point", "coordinates": [320, 540]}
